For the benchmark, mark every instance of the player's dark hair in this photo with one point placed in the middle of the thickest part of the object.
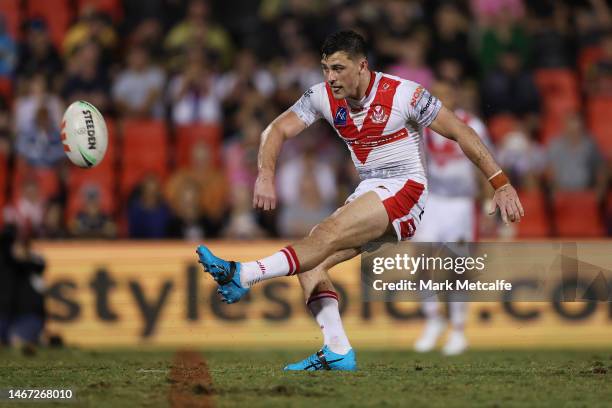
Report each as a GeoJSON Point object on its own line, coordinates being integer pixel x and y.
{"type": "Point", "coordinates": [348, 41]}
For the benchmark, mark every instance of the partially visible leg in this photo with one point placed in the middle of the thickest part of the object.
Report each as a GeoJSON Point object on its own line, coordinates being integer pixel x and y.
{"type": "Point", "coordinates": [352, 225]}
{"type": "Point", "coordinates": [456, 342]}
{"type": "Point", "coordinates": [430, 230]}
{"type": "Point", "coordinates": [322, 301]}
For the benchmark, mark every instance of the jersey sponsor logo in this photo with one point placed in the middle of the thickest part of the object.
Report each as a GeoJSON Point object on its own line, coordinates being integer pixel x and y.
{"type": "Point", "coordinates": [378, 114]}
{"type": "Point", "coordinates": [308, 93]}
{"type": "Point", "coordinates": [426, 105]}
{"type": "Point", "coordinates": [416, 95]}
{"type": "Point", "coordinates": [340, 117]}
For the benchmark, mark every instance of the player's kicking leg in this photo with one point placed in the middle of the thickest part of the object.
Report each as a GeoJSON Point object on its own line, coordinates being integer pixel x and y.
{"type": "Point", "coordinates": [362, 220]}
{"type": "Point", "coordinates": [322, 301]}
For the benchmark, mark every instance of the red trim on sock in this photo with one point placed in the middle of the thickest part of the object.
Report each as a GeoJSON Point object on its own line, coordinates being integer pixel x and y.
{"type": "Point", "coordinates": [296, 261]}
{"type": "Point", "coordinates": [289, 261]}
{"type": "Point", "coordinates": [322, 295]}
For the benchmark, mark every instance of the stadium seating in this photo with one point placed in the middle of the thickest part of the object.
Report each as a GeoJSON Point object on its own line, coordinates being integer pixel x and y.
{"type": "Point", "coordinates": [6, 89]}
{"type": "Point", "coordinates": [577, 214]}
{"type": "Point", "coordinates": [187, 136]}
{"type": "Point", "coordinates": [57, 14]}
{"type": "Point", "coordinates": [11, 12]}
{"type": "Point", "coordinates": [144, 150]}
{"type": "Point", "coordinates": [599, 111]}
{"type": "Point", "coordinates": [76, 199]}
{"type": "Point", "coordinates": [46, 178]}
{"type": "Point", "coordinates": [500, 125]}
{"type": "Point", "coordinates": [586, 58]}
{"type": "Point", "coordinates": [558, 89]}
{"type": "Point", "coordinates": [536, 223]}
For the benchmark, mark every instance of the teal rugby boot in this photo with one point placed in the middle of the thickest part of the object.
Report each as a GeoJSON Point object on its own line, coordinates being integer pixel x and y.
{"type": "Point", "coordinates": [325, 359]}
{"type": "Point", "coordinates": [225, 273]}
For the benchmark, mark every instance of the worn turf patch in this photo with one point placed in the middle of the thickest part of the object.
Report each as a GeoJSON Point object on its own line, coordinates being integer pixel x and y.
{"type": "Point", "coordinates": [191, 385]}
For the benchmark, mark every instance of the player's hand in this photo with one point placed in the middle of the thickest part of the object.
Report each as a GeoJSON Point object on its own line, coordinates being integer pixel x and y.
{"type": "Point", "coordinates": [264, 195]}
{"type": "Point", "coordinates": [509, 204]}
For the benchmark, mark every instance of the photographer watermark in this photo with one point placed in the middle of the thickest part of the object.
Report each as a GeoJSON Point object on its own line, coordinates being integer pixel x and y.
{"type": "Point", "coordinates": [487, 271]}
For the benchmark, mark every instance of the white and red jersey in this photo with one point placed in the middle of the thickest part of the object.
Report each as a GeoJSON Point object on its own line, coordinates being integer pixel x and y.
{"type": "Point", "coordinates": [450, 172]}
{"type": "Point", "coordinates": [383, 131]}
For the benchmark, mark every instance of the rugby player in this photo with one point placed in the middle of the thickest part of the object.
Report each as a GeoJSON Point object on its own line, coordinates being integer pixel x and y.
{"type": "Point", "coordinates": [381, 119]}
{"type": "Point", "coordinates": [451, 216]}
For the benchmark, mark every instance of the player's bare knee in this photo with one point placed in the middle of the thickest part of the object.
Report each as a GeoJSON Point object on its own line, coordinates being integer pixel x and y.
{"type": "Point", "coordinates": [326, 235]}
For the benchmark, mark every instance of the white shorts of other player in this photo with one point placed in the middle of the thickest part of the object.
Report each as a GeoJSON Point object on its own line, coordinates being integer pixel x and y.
{"type": "Point", "coordinates": [448, 219]}
{"type": "Point", "coordinates": [403, 198]}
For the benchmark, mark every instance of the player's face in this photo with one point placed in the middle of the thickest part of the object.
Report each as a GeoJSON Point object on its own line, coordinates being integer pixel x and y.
{"type": "Point", "coordinates": [342, 74]}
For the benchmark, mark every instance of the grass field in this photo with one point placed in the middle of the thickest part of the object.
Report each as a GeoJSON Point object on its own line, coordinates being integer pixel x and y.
{"type": "Point", "coordinates": [255, 379]}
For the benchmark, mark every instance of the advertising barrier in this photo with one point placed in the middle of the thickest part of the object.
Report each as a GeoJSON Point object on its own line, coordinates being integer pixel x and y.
{"type": "Point", "coordinates": [135, 293]}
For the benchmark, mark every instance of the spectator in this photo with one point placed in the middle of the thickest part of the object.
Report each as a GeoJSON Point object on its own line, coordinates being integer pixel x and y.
{"type": "Point", "coordinates": [591, 22]}
{"type": "Point", "coordinates": [53, 223]}
{"type": "Point", "coordinates": [411, 64]}
{"type": "Point", "coordinates": [91, 27]}
{"type": "Point", "coordinates": [38, 96]}
{"type": "Point", "coordinates": [148, 214]}
{"type": "Point", "coordinates": [240, 155]}
{"type": "Point", "coordinates": [191, 94]}
{"type": "Point", "coordinates": [523, 159]}
{"type": "Point", "coordinates": [37, 54]}
{"type": "Point", "coordinates": [138, 89]}
{"type": "Point", "coordinates": [450, 38]}
{"type": "Point", "coordinates": [599, 74]}
{"type": "Point", "coordinates": [189, 221]}
{"type": "Point", "coordinates": [91, 221]}
{"type": "Point", "coordinates": [87, 80]}
{"type": "Point", "coordinates": [510, 88]}
{"type": "Point", "coordinates": [210, 186]}
{"type": "Point", "coordinates": [22, 312]}
{"type": "Point", "coordinates": [148, 34]}
{"type": "Point", "coordinates": [303, 70]}
{"type": "Point", "coordinates": [574, 160]}
{"type": "Point", "coordinates": [304, 166]}
{"type": "Point", "coordinates": [242, 221]}
{"type": "Point", "coordinates": [6, 128]}
{"type": "Point", "coordinates": [39, 143]}
{"type": "Point", "coordinates": [197, 30]}
{"type": "Point", "coordinates": [28, 210]}
{"type": "Point", "coordinates": [307, 189]}
{"type": "Point", "coordinates": [8, 50]}
{"type": "Point", "coordinates": [246, 73]}
{"type": "Point", "coordinates": [399, 20]}
{"type": "Point", "coordinates": [550, 36]}
{"type": "Point", "coordinates": [502, 33]}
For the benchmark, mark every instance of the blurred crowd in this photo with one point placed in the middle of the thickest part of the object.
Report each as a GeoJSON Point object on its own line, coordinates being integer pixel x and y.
{"type": "Point", "coordinates": [538, 71]}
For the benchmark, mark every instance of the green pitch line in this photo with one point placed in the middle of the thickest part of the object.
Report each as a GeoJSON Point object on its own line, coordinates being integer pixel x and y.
{"type": "Point", "coordinates": [255, 379]}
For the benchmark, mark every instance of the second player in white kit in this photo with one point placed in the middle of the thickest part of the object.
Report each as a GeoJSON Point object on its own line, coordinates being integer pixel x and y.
{"type": "Point", "coordinates": [451, 216]}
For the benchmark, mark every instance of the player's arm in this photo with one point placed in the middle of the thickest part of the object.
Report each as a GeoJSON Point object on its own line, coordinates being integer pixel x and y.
{"type": "Point", "coordinates": [505, 196]}
{"type": "Point", "coordinates": [287, 125]}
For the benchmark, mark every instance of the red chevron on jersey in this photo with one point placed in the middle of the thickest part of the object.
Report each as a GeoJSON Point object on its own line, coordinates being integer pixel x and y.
{"type": "Point", "coordinates": [371, 133]}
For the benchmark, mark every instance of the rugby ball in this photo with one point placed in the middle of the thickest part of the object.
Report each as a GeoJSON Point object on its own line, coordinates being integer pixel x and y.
{"type": "Point", "coordinates": [84, 134]}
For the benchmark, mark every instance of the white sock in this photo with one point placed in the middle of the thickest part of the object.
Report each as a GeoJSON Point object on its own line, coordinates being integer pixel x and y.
{"type": "Point", "coordinates": [458, 312]}
{"type": "Point", "coordinates": [430, 305]}
{"type": "Point", "coordinates": [324, 307]}
{"type": "Point", "coordinates": [282, 263]}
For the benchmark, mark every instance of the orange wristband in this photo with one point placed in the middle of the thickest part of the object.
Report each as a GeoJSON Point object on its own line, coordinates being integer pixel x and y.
{"type": "Point", "coordinates": [498, 180]}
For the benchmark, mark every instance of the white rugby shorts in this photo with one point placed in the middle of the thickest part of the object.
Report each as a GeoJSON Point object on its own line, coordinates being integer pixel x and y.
{"type": "Point", "coordinates": [404, 200]}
